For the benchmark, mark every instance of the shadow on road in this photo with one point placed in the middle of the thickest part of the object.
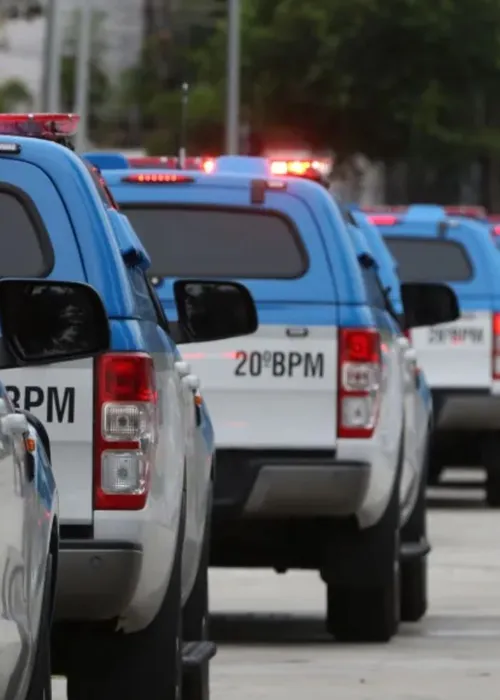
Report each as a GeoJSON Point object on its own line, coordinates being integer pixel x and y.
{"type": "Point", "coordinates": [457, 494]}
{"type": "Point", "coordinates": [262, 629]}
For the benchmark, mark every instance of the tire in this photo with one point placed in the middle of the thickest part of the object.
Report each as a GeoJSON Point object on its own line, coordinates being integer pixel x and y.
{"type": "Point", "coordinates": [414, 573]}
{"type": "Point", "coordinates": [362, 612]}
{"type": "Point", "coordinates": [145, 664]}
{"type": "Point", "coordinates": [195, 622]}
{"type": "Point", "coordinates": [41, 680]}
{"type": "Point", "coordinates": [491, 460]}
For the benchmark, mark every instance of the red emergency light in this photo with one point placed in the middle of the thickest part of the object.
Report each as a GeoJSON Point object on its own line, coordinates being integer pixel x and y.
{"type": "Point", "coordinates": [290, 167]}
{"type": "Point", "coordinates": [157, 179]}
{"type": "Point", "coordinates": [385, 209]}
{"type": "Point", "coordinates": [50, 126]}
{"type": "Point", "coordinates": [467, 211]}
{"type": "Point", "coordinates": [495, 230]}
{"type": "Point", "coordinates": [172, 163]}
{"type": "Point", "coordinates": [383, 219]}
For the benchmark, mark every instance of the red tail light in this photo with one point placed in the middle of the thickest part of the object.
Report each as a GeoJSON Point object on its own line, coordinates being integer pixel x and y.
{"type": "Point", "coordinates": [156, 179]}
{"type": "Point", "coordinates": [125, 430]}
{"type": "Point", "coordinates": [407, 333]}
{"type": "Point", "coordinates": [495, 363]}
{"type": "Point", "coordinates": [383, 219]}
{"type": "Point", "coordinates": [360, 369]}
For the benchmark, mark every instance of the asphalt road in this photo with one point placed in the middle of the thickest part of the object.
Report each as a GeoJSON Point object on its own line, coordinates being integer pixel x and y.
{"type": "Point", "coordinates": [272, 645]}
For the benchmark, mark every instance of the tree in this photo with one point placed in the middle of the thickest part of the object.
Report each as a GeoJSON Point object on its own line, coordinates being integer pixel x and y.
{"type": "Point", "coordinates": [100, 87]}
{"type": "Point", "coordinates": [389, 78]}
{"type": "Point", "coordinates": [14, 95]}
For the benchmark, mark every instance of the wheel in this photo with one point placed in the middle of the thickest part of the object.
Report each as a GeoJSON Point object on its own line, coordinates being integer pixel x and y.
{"type": "Point", "coordinates": [41, 680]}
{"type": "Point", "coordinates": [367, 608]}
{"type": "Point", "coordinates": [364, 613]}
{"type": "Point", "coordinates": [414, 572]}
{"type": "Point", "coordinates": [145, 664]}
{"type": "Point", "coordinates": [195, 623]}
{"type": "Point", "coordinates": [491, 460]}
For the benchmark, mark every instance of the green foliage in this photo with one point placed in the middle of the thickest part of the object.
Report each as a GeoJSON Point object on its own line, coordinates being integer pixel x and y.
{"type": "Point", "coordinates": [385, 77]}
{"type": "Point", "coordinates": [100, 87]}
{"type": "Point", "coordinates": [14, 95]}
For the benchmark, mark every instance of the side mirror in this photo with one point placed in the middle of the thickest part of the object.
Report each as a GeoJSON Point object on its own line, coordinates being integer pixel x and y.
{"type": "Point", "coordinates": [44, 321]}
{"type": "Point", "coordinates": [214, 310]}
{"type": "Point", "coordinates": [427, 304]}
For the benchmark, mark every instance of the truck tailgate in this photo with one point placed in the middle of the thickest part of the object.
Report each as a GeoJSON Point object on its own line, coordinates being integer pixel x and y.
{"type": "Point", "coordinates": [62, 397]}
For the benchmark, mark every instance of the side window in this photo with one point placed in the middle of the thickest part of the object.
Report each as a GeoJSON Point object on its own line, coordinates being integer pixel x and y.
{"type": "Point", "coordinates": [374, 288]}
{"type": "Point", "coordinates": [148, 304]}
{"type": "Point", "coordinates": [103, 190]}
{"type": "Point", "coordinates": [25, 248]}
{"type": "Point", "coordinates": [144, 303]}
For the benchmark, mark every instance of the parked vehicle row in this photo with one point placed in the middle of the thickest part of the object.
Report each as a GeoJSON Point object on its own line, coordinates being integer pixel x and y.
{"type": "Point", "coordinates": [252, 393]}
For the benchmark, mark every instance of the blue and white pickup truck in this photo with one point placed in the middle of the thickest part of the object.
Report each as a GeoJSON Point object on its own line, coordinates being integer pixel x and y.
{"type": "Point", "coordinates": [309, 411]}
{"type": "Point", "coordinates": [133, 463]}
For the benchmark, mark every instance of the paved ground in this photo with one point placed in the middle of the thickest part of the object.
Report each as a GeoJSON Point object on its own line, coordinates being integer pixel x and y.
{"type": "Point", "coordinates": [272, 644]}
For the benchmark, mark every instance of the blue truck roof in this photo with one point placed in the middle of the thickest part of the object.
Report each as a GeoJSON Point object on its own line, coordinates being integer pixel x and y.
{"type": "Point", "coordinates": [96, 241]}
{"type": "Point", "coordinates": [474, 236]}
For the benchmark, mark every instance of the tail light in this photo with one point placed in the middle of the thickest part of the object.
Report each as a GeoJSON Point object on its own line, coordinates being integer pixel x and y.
{"type": "Point", "coordinates": [360, 372]}
{"type": "Point", "coordinates": [407, 333]}
{"type": "Point", "coordinates": [495, 365]}
{"type": "Point", "coordinates": [125, 430]}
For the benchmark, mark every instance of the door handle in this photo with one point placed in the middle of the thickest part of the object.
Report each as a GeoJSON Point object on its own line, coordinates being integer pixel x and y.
{"type": "Point", "coordinates": [192, 382]}
{"type": "Point", "coordinates": [183, 368]}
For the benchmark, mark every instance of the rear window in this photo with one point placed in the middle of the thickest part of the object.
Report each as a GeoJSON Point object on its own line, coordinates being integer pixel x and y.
{"type": "Point", "coordinates": [214, 242]}
{"type": "Point", "coordinates": [25, 249]}
{"type": "Point", "coordinates": [430, 260]}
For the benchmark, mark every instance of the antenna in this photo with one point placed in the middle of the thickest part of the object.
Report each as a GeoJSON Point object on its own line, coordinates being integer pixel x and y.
{"type": "Point", "coordinates": [183, 130]}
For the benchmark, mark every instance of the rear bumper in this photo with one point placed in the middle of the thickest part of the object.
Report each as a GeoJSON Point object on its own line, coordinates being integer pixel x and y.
{"type": "Point", "coordinates": [96, 580]}
{"type": "Point", "coordinates": [272, 484]}
{"type": "Point", "coordinates": [465, 409]}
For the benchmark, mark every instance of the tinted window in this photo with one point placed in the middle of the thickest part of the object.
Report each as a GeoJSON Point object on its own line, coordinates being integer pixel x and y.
{"type": "Point", "coordinates": [430, 260]}
{"type": "Point", "coordinates": [25, 249]}
{"type": "Point", "coordinates": [103, 190]}
{"type": "Point", "coordinates": [144, 304]}
{"type": "Point", "coordinates": [373, 287]}
{"type": "Point", "coordinates": [199, 242]}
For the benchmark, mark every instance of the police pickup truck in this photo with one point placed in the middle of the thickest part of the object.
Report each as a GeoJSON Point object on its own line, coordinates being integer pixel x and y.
{"type": "Point", "coordinates": [309, 411]}
{"type": "Point", "coordinates": [39, 326]}
{"type": "Point", "coordinates": [134, 489]}
{"type": "Point", "coordinates": [460, 359]}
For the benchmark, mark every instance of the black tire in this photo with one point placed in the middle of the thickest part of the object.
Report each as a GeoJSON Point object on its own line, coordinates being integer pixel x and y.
{"type": "Point", "coordinates": [145, 664]}
{"type": "Point", "coordinates": [358, 611]}
{"type": "Point", "coordinates": [195, 622]}
{"type": "Point", "coordinates": [491, 461]}
{"type": "Point", "coordinates": [41, 679]}
{"type": "Point", "coordinates": [414, 572]}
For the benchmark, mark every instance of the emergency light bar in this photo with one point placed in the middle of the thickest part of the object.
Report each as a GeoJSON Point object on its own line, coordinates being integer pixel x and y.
{"type": "Point", "coordinates": [290, 167]}
{"type": "Point", "coordinates": [50, 126]}
{"type": "Point", "coordinates": [467, 211]}
{"type": "Point", "coordinates": [172, 163]}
